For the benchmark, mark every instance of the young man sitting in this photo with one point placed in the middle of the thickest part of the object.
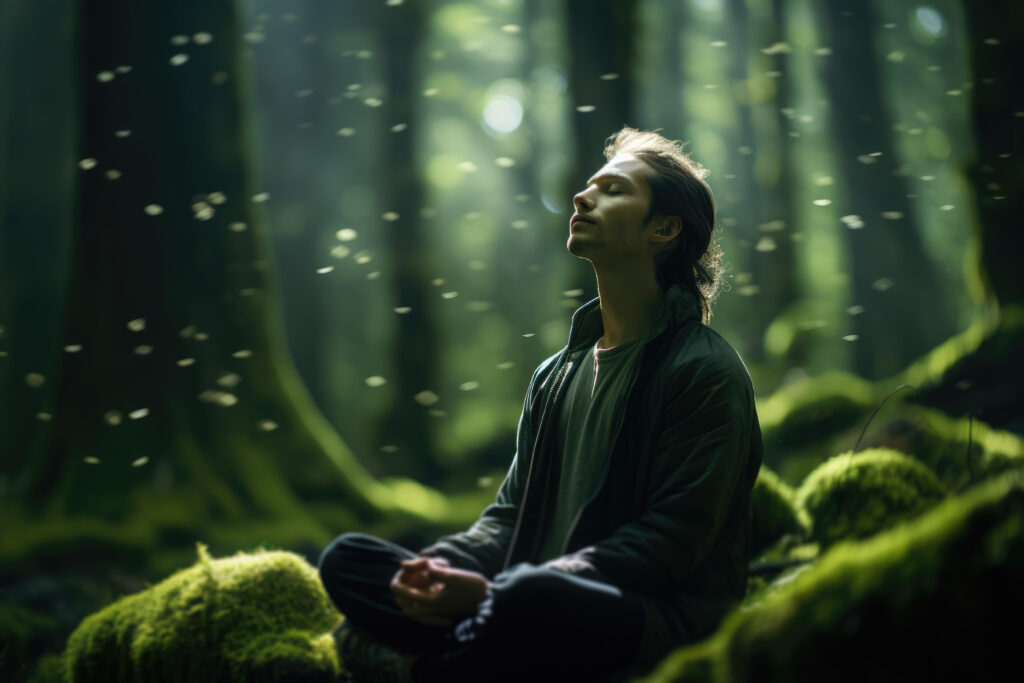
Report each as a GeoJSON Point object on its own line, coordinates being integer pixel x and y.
{"type": "Point", "coordinates": [622, 528]}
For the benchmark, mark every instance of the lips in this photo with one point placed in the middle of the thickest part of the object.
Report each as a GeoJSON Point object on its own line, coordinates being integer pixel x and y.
{"type": "Point", "coordinates": [577, 218]}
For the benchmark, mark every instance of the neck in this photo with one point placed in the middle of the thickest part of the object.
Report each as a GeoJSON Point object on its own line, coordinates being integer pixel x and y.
{"type": "Point", "coordinates": [631, 302]}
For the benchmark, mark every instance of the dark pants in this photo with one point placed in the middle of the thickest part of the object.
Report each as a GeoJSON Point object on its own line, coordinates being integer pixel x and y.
{"type": "Point", "coordinates": [537, 622]}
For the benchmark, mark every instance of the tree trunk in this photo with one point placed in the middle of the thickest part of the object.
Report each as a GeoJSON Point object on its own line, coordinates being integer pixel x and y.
{"type": "Point", "coordinates": [761, 166]}
{"type": "Point", "coordinates": [182, 393]}
{"type": "Point", "coordinates": [37, 171]}
{"type": "Point", "coordinates": [986, 383]}
{"type": "Point", "coordinates": [996, 35]}
{"type": "Point", "coordinates": [777, 273]}
{"type": "Point", "coordinates": [906, 311]}
{"type": "Point", "coordinates": [409, 425]}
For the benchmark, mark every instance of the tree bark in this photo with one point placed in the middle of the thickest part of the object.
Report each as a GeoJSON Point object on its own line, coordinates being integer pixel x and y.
{"type": "Point", "coordinates": [37, 171]}
{"type": "Point", "coordinates": [409, 426]}
{"type": "Point", "coordinates": [986, 383]}
{"type": "Point", "coordinates": [756, 199]}
{"type": "Point", "coordinates": [906, 311]}
{"type": "Point", "coordinates": [182, 390]}
{"type": "Point", "coordinates": [996, 37]}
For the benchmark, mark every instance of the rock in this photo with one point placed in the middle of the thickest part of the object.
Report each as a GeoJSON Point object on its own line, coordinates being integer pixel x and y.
{"type": "Point", "coordinates": [856, 495]}
{"type": "Point", "coordinates": [928, 600]}
{"type": "Point", "coordinates": [251, 617]}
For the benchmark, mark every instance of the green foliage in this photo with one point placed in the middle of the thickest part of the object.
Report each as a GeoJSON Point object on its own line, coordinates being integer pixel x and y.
{"type": "Point", "coordinates": [775, 513]}
{"type": "Point", "coordinates": [250, 617]}
{"type": "Point", "coordinates": [927, 600]}
{"type": "Point", "coordinates": [856, 495]}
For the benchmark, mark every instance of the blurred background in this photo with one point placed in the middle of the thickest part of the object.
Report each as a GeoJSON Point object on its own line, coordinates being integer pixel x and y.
{"type": "Point", "coordinates": [271, 270]}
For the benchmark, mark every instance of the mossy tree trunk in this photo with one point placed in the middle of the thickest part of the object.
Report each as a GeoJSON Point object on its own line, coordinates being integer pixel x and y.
{"type": "Point", "coordinates": [181, 391]}
{"type": "Point", "coordinates": [303, 195]}
{"type": "Point", "coordinates": [986, 383]}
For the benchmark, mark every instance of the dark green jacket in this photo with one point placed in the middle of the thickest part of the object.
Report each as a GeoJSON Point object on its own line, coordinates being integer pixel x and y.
{"type": "Point", "coordinates": [672, 520]}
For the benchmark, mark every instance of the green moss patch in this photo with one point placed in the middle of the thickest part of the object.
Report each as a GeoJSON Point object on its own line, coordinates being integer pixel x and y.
{"type": "Point", "coordinates": [251, 617]}
{"type": "Point", "coordinates": [929, 600]}
{"type": "Point", "coordinates": [807, 412]}
{"type": "Point", "coordinates": [856, 495]}
{"type": "Point", "coordinates": [959, 450]}
{"type": "Point", "coordinates": [775, 512]}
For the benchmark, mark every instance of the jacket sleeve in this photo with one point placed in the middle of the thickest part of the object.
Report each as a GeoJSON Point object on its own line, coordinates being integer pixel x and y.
{"type": "Point", "coordinates": [482, 547]}
{"type": "Point", "coordinates": [699, 461]}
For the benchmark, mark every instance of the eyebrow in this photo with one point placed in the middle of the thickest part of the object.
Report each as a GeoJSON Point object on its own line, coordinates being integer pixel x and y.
{"type": "Point", "coordinates": [610, 176]}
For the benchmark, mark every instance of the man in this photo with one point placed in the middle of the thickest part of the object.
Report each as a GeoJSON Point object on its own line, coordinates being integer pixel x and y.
{"type": "Point", "coordinates": [622, 528]}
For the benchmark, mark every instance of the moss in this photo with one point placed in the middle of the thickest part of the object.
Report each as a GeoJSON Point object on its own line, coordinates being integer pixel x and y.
{"type": "Point", "coordinates": [251, 617]}
{"type": "Point", "coordinates": [775, 513]}
{"type": "Point", "coordinates": [937, 362]}
{"type": "Point", "coordinates": [808, 411]}
{"type": "Point", "coordinates": [925, 601]}
{"type": "Point", "coordinates": [958, 450]}
{"type": "Point", "coordinates": [49, 669]}
{"type": "Point", "coordinates": [856, 495]}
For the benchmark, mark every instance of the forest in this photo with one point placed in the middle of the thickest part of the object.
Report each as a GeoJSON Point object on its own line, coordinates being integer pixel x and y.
{"type": "Point", "coordinates": [275, 270]}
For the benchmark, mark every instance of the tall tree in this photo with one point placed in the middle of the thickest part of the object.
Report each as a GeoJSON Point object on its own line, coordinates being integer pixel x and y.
{"type": "Point", "coordinates": [906, 311]}
{"type": "Point", "coordinates": [408, 425]}
{"type": "Point", "coordinates": [37, 171]}
{"type": "Point", "coordinates": [996, 35]}
{"type": "Point", "coordinates": [298, 111]}
{"type": "Point", "coordinates": [777, 273]}
{"type": "Point", "coordinates": [180, 391]}
{"type": "Point", "coordinates": [758, 198]}
{"type": "Point", "coordinates": [986, 383]}
{"type": "Point", "coordinates": [664, 41]}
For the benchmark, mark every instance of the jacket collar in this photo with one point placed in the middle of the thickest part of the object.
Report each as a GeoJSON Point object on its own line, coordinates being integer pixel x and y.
{"type": "Point", "coordinates": [587, 327]}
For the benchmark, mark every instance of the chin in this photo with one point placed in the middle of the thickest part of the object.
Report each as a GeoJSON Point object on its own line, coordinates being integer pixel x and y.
{"type": "Point", "coordinates": [576, 246]}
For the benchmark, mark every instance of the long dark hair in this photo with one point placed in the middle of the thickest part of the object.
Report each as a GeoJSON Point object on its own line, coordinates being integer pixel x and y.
{"type": "Point", "coordinates": [694, 259]}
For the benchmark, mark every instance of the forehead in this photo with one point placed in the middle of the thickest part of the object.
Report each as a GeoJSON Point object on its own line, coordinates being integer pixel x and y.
{"type": "Point", "coordinates": [628, 167]}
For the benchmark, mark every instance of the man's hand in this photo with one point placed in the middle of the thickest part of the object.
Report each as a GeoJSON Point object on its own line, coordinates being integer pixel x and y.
{"type": "Point", "coordinates": [431, 592]}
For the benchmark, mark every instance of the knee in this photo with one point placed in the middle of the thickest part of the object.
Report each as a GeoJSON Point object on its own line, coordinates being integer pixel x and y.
{"type": "Point", "coordinates": [338, 550]}
{"type": "Point", "coordinates": [526, 590]}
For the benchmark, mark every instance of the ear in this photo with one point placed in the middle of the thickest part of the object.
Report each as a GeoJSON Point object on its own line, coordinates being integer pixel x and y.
{"type": "Point", "coordinates": [665, 230]}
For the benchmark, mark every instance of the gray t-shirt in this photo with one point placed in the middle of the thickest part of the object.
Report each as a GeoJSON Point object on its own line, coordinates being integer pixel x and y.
{"type": "Point", "coordinates": [585, 432]}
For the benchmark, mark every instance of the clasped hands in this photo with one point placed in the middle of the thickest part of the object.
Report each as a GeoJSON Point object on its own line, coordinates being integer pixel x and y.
{"type": "Point", "coordinates": [430, 591]}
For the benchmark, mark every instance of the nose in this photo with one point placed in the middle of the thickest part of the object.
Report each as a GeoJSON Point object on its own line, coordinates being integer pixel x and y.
{"type": "Point", "coordinates": [582, 201]}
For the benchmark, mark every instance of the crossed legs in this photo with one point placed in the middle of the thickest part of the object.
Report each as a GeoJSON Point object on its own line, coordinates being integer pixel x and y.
{"type": "Point", "coordinates": [536, 621]}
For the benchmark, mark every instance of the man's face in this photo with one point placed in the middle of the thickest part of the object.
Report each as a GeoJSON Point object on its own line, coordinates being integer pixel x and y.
{"type": "Point", "coordinates": [608, 227]}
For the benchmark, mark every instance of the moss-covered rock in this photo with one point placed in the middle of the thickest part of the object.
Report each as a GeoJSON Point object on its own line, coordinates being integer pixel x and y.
{"type": "Point", "coordinates": [929, 600]}
{"type": "Point", "coordinates": [959, 450]}
{"type": "Point", "coordinates": [250, 617]}
{"type": "Point", "coordinates": [855, 495]}
{"type": "Point", "coordinates": [814, 409]}
{"type": "Point", "coordinates": [775, 512]}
